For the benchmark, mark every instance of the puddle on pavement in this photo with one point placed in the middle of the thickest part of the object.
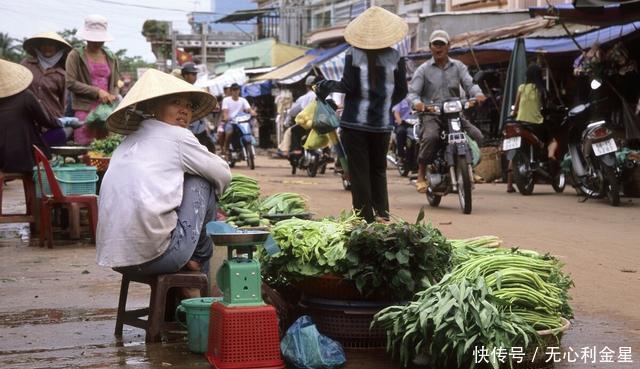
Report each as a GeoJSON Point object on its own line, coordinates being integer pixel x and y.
{"type": "Point", "coordinates": [54, 316]}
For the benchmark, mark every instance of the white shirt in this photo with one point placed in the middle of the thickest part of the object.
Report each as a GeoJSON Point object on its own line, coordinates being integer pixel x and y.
{"type": "Point", "coordinates": [234, 107]}
{"type": "Point", "coordinates": [142, 189]}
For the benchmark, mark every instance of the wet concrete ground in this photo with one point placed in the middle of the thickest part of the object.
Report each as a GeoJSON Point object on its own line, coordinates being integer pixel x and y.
{"type": "Point", "coordinates": [57, 307]}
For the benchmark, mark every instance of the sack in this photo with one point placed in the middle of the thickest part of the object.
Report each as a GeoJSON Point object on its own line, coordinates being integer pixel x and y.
{"type": "Point", "coordinates": [305, 118]}
{"type": "Point", "coordinates": [316, 141]}
{"type": "Point", "coordinates": [97, 118]}
{"type": "Point", "coordinates": [305, 348]}
{"type": "Point", "coordinates": [325, 120]}
{"type": "Point", "coordinates": [476, 155]}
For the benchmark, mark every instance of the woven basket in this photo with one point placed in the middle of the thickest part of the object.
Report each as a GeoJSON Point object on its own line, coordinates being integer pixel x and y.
{"type": "Point", "coordinates": [101, 163]}
{"type": "Point", "coordinates": [535, 357]}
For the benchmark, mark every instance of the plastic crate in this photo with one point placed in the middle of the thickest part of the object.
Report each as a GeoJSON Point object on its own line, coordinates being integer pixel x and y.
{"type": "Point", "coordinates": [74, 179]}
{"type": "Point", "coordinates": [244, 337]}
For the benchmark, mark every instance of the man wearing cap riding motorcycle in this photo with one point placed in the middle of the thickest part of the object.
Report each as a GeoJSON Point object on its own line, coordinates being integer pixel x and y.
{"type": "Point", "coordinates": [435, 80]}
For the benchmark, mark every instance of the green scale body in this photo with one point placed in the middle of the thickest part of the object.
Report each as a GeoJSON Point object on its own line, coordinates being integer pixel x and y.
{"type": "Point", "coordinates": [239, 278]}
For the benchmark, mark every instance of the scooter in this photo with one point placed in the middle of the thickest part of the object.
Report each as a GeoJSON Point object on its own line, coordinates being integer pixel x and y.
{"type": "Point", "coordinates": [594, 170]}
{"type": "Point", "coordinates": [528, 154]}
{"type": "Point", "coordinates": [242, 145]}
{"type": "Point", "coordinates": [451, 170]}
{"type": "Point", "coordinates": [313, 161]}
{"type": "Point", "coordinates": [409, 163]}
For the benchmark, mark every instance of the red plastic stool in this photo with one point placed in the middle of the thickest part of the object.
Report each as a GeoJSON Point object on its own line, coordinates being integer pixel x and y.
{"type": "Point", "coordinates": [29, 195]}
{"type": "Point", "coordinates": [244, 337]}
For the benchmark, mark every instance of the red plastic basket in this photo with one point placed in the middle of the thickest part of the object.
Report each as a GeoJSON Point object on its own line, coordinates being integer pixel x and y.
{"type": "Point", "coordinates": [244, 337]}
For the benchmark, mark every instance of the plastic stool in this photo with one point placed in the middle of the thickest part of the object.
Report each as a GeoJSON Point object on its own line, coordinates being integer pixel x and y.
{"type": "Point", "coordinates": [156, 322]}
{"type": "Point", "coordinates": [244, 337]}
{"type": "Point", "coordinates": [29, 195]}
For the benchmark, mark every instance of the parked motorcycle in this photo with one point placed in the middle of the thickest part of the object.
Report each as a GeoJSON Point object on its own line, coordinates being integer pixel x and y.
{"type": "Point", "coordinates": [409, 163]}
{"type": "Point", "coordinates": [313, 161]}
{"type": "Point", "coordinates": [530, 162]}
{"type": "Point", "coordinates": [242, 145]}
{"type": "Point", "coordinates": [451, 170]}
{"type": "Point", "coordinates": [592, 148]}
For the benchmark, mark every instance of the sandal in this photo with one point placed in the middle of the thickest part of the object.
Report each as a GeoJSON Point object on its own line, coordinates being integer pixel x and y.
{"type": "Point", "coordinates": [421, 186]}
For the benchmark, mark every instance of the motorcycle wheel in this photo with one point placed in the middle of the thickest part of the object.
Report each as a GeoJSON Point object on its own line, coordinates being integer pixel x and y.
{"type": "Point", "coordinates": [559, 182]}
{"type": "Point", "coordinates": [464, 185]}
{"type": "Point", "coordinates": [323, 168]}
{"type": "Point", "coordinates": [613, 186]}
{"type": "Point", "coordinates": [588, 187]}
{"type": "Point", "coordinates": [433, 200]}
{"type": "Point", "coordinates": [251, 160]}
{"type": "Point", "coordinates": [232, 163]}
{"type": "Point", "coordinates": [293, 169]}
{"type": "Point", "coordinates": [522, 174]}
{"type": "Point", "coordinates": [312, 169]}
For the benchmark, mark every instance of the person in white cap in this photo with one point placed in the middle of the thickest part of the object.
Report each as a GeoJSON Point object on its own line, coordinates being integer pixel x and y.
{"type": "Point", "coordinates": [298, 106]}
{"type": "Point", "coordinates": [232, 106]}
{"type": "Point", "coordinates": [92, 75]}
{"type": "Point", "coordinates": [161, 186]}
{"type": "Point", "coordinates": [436, 80]}
{"type": "Point", "coordinates": [374, 80]}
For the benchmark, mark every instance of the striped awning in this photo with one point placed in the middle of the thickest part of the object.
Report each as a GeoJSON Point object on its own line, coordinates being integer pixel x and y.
{"type": "Point", "coordinates": [296, 66]}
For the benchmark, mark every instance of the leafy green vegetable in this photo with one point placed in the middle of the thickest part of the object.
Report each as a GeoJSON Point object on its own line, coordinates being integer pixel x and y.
{"type": "Point", "coordinates": [400, 257]}
{"type": "Point", "coordinates": [107, 145]}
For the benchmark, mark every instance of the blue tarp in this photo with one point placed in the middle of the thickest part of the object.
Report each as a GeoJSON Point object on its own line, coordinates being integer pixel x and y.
{"type": "Point", "coordinates": [560, 44]}
{"type": "Point", "coordinates": [257, 89]}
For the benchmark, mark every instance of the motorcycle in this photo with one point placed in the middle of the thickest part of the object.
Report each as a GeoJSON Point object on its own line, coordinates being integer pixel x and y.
{"type": "Point", "coordinates": [313, 161]}
{"type": "Point", "coordinates": [528, 154]}
{"type": "Point", "coordinates": [594, 170]}
{"type": "Point", "coordinates": [242, 142]}
{"type": "Point", "coordinates": [409, 163]}
{"type": "Point", "coordinates": [451, 170]}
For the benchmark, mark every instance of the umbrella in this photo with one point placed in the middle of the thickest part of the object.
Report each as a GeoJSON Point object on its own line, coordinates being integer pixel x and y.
{"type": "Point", "coordinates": [516, 75]}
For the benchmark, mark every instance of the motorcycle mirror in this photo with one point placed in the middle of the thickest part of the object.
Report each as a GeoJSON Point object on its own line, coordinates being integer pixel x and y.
{"type": "Point", "coordinates": [595, 84]}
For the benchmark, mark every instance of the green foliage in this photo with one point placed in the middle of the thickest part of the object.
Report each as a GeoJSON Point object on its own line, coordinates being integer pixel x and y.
{"type": "Point", "coordinates": [400, 258]}
{"type": "Point", "coordinates": [70, 36]}
{"type": "Point", "coordinates": [155, 30]}
{"type": "Point", "coordinates": [11, 48]}
{"type": "Point", "coordinates": [130, 63]}
{"type": "Point", "coordinates": [107, 145]}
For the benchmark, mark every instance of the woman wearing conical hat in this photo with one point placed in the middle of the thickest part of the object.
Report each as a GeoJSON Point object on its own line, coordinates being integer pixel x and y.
{"type": "Point", "coordinates": [47, 53]}
{"type": "Point", "coordinates": [21, 119]}
{"type": "Point", "coordinates": [161, 186]}
{"type": "Point", "coordinates": [373, 81]}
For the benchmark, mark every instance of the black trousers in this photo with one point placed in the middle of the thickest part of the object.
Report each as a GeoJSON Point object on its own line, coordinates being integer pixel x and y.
{"type": "Point", "coordinates": [367, 159]}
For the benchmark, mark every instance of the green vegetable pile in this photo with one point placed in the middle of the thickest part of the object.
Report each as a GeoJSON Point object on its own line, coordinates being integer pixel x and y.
{"type": "Point", "coordinates": [493, 297]}
{"type": "Point", "coordinates": [307, 248]}
{"type": "Point", "coordinates": [401, 258]}
{"type": "Point", "coordinates": [283, 203]}
{"type": "Point", "coordinates": [448, 320]}
{"type": "Point", "coordinates": [242, 192]}
{"type": "Point", "coordinates": [108, 145]}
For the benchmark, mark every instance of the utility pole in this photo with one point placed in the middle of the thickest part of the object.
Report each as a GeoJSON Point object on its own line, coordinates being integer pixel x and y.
{"type": "Point", "coordinates": [205, 28]}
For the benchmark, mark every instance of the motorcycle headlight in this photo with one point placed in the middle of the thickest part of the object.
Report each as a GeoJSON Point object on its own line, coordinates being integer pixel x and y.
{"type": "Point", "coordinates": [452, 106]}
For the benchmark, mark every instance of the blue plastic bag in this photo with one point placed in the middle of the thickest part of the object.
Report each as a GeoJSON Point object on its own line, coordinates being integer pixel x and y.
{"type": "Point", "coordinates": [305, 348]}
{"type": "Point", "coordinates": [325, 119]}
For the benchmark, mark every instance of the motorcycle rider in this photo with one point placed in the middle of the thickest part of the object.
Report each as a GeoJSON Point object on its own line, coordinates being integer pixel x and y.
{"type": "Point", "coordinates": [435, 80]}
{"type": "Point", "coordinates": [296, 108]}
{"type": "Point", "coordinates": [231, 107]}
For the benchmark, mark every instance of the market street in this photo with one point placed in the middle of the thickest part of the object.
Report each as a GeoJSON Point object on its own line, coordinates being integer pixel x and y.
{"type": "Point", "coordinates": [57, 307]}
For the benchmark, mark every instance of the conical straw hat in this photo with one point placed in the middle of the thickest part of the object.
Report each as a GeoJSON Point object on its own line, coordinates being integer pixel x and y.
{"type": "Point", "coordinates": [376, 28]}
{"type": "Point", "coordinates": [30, 43]}
{"type": "Point", "coordinates": [155, 84]}
{"type": "Point", "coordinates": [14, 78]}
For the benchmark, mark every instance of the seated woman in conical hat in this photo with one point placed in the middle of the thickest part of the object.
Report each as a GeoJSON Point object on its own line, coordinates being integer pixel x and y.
{"type": "Point", "coordinates": [161, 186]}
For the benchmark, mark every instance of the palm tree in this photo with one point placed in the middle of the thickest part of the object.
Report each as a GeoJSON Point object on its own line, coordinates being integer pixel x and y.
{"type": "Point", "coordinates": [8, 50]}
